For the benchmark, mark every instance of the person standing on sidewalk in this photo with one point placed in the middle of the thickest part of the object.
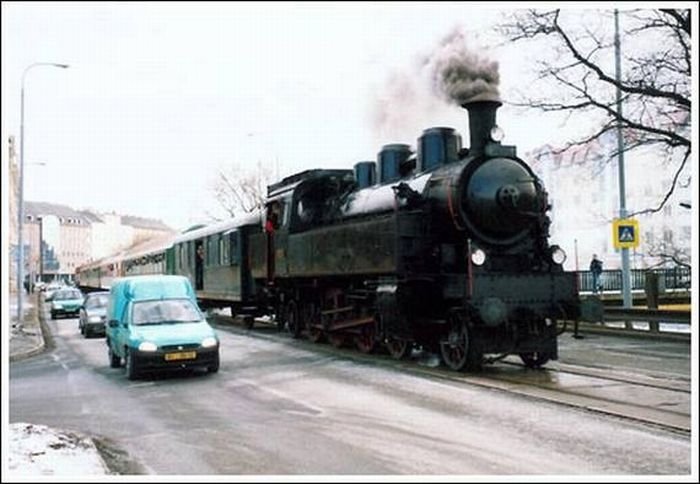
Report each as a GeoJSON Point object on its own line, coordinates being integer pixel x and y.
{"type": "Point", "coordinates": [596, 268]}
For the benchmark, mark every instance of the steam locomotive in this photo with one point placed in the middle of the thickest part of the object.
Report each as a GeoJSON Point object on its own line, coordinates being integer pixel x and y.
{"type": "Point", "coordinates": [447, 250]}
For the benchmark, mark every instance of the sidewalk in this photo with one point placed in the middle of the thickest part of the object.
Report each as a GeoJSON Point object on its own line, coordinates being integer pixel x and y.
{"type": "Point", "coordinates": [27, 340]}
{"type": "Point", "coordinates": [38, 450]}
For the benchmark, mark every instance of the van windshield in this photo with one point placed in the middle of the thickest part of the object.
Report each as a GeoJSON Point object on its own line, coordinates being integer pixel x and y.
{"type": "Point", "coordinates": [165, 311]}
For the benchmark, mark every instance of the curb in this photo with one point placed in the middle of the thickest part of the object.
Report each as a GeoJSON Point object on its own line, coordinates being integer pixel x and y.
{"type": "Point", "coordinates": [39, 348]}
{"type": "Point", "coordinates": [598, 329]}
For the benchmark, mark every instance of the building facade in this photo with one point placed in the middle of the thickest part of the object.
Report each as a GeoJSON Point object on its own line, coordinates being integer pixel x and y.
{"type": "Point", "coordinates": [583, 187]}
{"type": "Point", "coordinates": [59, 238]}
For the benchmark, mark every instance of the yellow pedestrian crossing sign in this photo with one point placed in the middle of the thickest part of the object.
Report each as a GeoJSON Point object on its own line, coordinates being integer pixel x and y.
{"type": "Point", "coordinates": [626, 233]}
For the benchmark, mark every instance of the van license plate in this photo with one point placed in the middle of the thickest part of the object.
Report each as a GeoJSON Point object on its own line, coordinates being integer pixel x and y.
{"type": "Point", "coordinates": [186, 355]}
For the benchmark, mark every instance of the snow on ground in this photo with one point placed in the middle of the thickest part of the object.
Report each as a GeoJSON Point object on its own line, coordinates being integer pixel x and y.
{"type": "Point", "coordinates": [37, 450]}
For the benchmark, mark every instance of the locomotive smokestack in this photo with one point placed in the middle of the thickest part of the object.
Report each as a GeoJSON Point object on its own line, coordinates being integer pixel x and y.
{"type": "Point", "coordinates": [482, 118]}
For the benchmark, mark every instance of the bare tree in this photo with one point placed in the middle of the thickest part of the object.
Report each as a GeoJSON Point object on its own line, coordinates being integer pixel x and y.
{"type": "Point", "coordinates": [666, 252]}
{"type": "Point", "coordinates": [239, 191]}
{"type": "Point", "coordinates": [655, 83]}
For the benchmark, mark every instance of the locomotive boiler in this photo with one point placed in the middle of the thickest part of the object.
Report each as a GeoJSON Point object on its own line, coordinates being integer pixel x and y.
{"type": "Point", "coordinates": [447, 250]}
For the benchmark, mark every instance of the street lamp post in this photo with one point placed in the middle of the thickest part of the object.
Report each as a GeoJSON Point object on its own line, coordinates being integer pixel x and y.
{"type": "Point", "coordinates": [20, 204]}
{"type": "Point", "coordinates": [41, 249]}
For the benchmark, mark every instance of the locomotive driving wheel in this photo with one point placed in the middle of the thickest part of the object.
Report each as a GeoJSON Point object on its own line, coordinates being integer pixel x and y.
{"type": "Point", "coordinates": [336, 338]}
{"type": "Point", "coordinates": [399, 349]}
{"type": "Point", "coordinates": [535, 359]}
{"type": "Point", "coordinates": [310, 321]}
{"type": "Point", "coordinates": [365, 341]}
{"type": "Point", "coordinates": [315, 334]}
{"type": "Point", "coordinates": [280, 315]}
{"type": "Point", "coordinates": [457, 348]}
{"type": "Point", "coordinates": [292, 318]}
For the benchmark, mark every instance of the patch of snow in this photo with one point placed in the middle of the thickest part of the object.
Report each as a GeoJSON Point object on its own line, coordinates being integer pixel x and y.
{"type": "Point", "coordinates": [37, 450]}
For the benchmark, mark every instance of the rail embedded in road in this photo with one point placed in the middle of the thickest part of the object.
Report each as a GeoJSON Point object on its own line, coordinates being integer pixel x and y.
{"type": "Point", "coordinates": [627, 398]}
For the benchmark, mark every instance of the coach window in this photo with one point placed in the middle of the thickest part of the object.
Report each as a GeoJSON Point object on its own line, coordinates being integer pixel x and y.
{"type": "Point", "coordinates": [214, 257]}
{"type": "Point", "coordinates": [223, 249]}
{"type": "Point", "coordinates": [207, 259]}
{"type": "Point", "coordinates": [233, 249]}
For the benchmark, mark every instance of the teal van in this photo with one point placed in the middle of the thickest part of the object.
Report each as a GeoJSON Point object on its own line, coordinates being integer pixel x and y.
{"type": "Point", "coordinates": [154, 323]}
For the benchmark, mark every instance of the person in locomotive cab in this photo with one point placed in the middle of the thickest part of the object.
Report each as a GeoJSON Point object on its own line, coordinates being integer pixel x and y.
{"type": "Point", "coordinates": [596, 269]}
{"type": "Point", "coordinates": [199, 268]}
{"type": "Point", "coordinates": [273, 217]}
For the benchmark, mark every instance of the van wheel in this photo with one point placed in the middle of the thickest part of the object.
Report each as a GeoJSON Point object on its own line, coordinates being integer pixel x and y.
{"type": "Point", "coordinates": [114, 360]}
{"type": "Point", "coordinates": [131, 372]}
{"type": "Point", "coordinates": [213, 368]}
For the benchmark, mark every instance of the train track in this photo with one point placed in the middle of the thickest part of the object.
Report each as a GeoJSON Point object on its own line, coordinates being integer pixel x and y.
{"type": "Point", "coordinates": [664, 404]}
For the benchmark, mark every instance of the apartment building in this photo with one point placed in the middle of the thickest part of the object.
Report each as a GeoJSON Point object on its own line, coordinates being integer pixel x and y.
{"type": "Point", "coordinates": [583, 187]}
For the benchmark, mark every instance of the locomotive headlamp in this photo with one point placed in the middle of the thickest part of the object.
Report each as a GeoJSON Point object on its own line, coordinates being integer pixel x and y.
{"type": "Point", "coordinates": [557, 254]}
{"type": "Point", "coordinates": [478, 257]}
{"type": "Point", "coordinates": [497, 134]}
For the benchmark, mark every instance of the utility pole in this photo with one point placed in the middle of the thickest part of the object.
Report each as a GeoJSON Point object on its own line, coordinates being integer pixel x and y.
{"type": "Point", "coordinates": [625, 253]}
{"type": "Point", "coordinates": [41, 249]}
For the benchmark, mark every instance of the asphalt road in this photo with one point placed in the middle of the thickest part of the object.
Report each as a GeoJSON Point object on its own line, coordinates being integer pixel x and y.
{"type": "Point", "coordinates": [277, 407]}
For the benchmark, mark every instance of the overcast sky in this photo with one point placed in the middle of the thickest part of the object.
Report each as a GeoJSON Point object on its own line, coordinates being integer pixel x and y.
{"type": "Point", "coordinates": [160, 96]}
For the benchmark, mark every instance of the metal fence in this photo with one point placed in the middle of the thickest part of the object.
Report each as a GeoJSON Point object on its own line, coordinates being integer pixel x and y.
{"type": "Point", "coordinates": [611, 280]}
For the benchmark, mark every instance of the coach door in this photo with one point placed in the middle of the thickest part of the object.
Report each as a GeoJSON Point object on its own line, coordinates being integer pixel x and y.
{"type": "Point", "coordinates": [199, 264]}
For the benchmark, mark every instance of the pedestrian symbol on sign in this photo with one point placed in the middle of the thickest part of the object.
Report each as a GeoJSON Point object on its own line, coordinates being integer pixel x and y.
{"type": "Point", "coordinates": [626, 234]}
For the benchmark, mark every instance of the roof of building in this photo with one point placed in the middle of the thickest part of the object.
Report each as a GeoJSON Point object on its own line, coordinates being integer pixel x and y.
{"type": "Point", "coordinates": [40, 209]}
{"type": "Point", "coordinates": [144, 223]}
{"type": "Point", "coordinates": [92, 217]}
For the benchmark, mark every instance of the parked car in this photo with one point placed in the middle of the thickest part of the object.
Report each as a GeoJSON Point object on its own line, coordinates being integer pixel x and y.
{"type": "Point", "coordinates": [154, 323]}
{"type": "Point", "coordinates": [50, 289]}
{"type": "Point", "coordinates": [93, 314]}
{"type": "Point", "coordinates": [65, 302]}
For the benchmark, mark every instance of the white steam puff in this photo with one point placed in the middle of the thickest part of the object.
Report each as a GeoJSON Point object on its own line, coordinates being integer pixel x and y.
{"type": "Point", "coordinates": [459, 75]}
